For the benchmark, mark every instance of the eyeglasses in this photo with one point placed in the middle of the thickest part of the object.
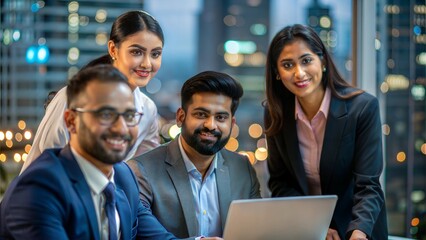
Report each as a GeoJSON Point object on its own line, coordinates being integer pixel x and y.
{"type": "Point", "coordinates": [108, 116]}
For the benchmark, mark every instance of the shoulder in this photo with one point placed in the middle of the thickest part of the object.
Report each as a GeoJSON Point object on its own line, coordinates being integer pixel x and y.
{"type": "Point", "coordinates": [239, 167]}
{"type": "Point", "coordinates": [362, 108]}
{"type": "Point", "coordinates": [361, 101]}
{"type": "Point", "coordinates": [48, 161]}
{"type": "Point", "coordinates": [124, 177]}
{"type": "Point", "coordinates": [143, 100]}
{"type": "Point", "coordinates": [153, 156]}
{"type": "Point", "coordinates": [364, 96]}
{"type": "Point", "coordinates": [233, 158]}
{"type": "Point", "coordinates": [46, 171]}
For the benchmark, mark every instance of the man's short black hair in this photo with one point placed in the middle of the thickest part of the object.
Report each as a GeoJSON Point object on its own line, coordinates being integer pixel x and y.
{"type": "Point", "coordinates": [213, 82]}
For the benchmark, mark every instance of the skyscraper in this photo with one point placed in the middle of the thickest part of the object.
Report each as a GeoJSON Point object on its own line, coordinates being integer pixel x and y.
{"type": "Point", "coordinates": [43, 43]}
{"type": "Point", "coordinates": [402, 36]}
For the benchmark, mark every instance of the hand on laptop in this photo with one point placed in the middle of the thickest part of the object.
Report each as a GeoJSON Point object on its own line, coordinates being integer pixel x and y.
{"type": "Point", "coordinates": [332, 235]}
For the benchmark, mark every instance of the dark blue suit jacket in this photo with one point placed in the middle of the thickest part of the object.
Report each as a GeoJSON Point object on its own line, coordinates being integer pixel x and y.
{"type": "Point", "coordinates": [52, 200]}
{"type": "Point", "coordinates": [350, 166]}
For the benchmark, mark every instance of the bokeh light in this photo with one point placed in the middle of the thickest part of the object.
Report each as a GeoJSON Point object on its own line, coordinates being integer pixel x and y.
{"type": "Point", "coordinates": [24, 157]}
{"type": "Point", "coordinates": [18, 137]}
{"type": "Point", "coordinates": [27, 148]}
{"type": "Point", "coordinates": [401, 157]}
{"type": "Point", "coordinates": [232, 144]}
{"type": "Point", "coordinates": [234, 60]}
{"type": "Point", "coordinates": [101, 15]}
{"type": "Point", "coordinates": [174, 131]}
{"type": "Point", "coordinates": [423, 148]}
{"type": "Point", "coordinates": [2, 157]}
{"type": "Point", "coordinates": [27, 135]}
{"type": "Point", "coordinates": [17, 157]}
{"type": "Point", "coordinates": [16, 35]}
{"type": "Point", "coordinates": [73, 55]}
{"type": "Point", "coordinates": [73, 7]}
{"type": "Point", "coordinates": [255, 130]}
{"type": "Point", "coordinates": [261, 154]}
{"type": "Point", "coordinates": [22, 125]}
{"type": "Point", "coordinates": [258, 29]}
{"type": "Point", "coordinates": [9, 143]}
{"type": "Point", "coordinates": [9, 135]}
{"type": "Point", "coordinates": [415, 222]}
{"type": "Point", "coordinates": [385, 129]}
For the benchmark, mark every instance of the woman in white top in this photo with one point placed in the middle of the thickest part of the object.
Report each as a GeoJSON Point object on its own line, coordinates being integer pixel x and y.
{"type": "Point", "coordinates": [135, 48]}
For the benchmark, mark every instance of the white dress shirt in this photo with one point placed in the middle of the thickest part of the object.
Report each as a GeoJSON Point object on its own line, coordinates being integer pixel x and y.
{"type": "Point", "coordinates": [97, 182]}
{"type": "Point", "coordinates": [206, 198]}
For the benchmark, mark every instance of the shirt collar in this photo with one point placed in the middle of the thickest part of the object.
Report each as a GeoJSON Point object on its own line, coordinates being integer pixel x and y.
{"type": "Point", "coordinates": [188, 163]}
{"type": "Point", "coordinates": [325, 106]}
{"type": "Point", "coordinates": [96, 180]}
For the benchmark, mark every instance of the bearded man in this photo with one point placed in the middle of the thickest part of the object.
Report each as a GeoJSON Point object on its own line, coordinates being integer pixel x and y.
{"type": "Point", "coordinates": [190, 182]}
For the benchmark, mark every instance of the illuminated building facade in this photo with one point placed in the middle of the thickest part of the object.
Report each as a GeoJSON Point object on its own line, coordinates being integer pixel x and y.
{"type": "Point", "coordinates": [231, 36]}
{"type": "Point", "coordinates": [43, 43]}
{"type": "Point", "coordinates": [401, 44]}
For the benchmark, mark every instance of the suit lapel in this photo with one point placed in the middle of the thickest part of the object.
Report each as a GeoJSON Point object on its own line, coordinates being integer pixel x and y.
{"type": "Point", "coordinates": [124, 213]}
{"type": "Point", "coordinates": [178, 174]}
{"type": "Point", "coordinates": [223, 183]}
{"type": "Point", "coordinates": [292, 146]}
{"type": "Point", "coordinates": [336, 122]}
{"type": "Point", "coordinates": [81, 187]}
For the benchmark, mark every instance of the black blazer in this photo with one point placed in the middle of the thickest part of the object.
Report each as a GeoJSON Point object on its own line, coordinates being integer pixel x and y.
{"type": "Point", "coordinates": [350, 166]}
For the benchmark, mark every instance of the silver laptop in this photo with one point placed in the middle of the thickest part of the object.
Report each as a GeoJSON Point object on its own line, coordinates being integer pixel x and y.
{"type": "Point", "coordinates": [306, 218]}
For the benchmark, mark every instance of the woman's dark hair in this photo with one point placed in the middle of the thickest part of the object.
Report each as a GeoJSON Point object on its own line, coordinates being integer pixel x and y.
{"type": "Point", "coordinates": [277, 93]}
{"type": "Point", "coordinates": [132, 22]}
{"type": "Point", "coordinates": [125, 25]}
{"type": "Point", "coordinates": [212, 82]}
{"type": "Point", "coordinates": [49, 98]}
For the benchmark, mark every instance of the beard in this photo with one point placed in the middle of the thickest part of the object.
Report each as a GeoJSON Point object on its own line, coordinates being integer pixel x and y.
{"type": "Point", "coordinates": [204, 147]}
{"type": "Point", "coordinates": [92, 145]}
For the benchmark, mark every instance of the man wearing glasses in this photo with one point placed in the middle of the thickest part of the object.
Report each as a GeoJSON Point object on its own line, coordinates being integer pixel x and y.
{"type": "Point", "coordinates": [84, 190]}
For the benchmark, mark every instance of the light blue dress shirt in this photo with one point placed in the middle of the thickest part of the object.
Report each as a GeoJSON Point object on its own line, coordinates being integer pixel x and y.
{"type": "Point", "coordinates": [205, 197]}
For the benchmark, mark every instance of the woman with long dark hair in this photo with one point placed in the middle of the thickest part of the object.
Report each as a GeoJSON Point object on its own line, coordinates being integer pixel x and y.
{"type": "Point", "coordinates": [323, 135]}
{"type": "Point", "coordinates": [135, 48]}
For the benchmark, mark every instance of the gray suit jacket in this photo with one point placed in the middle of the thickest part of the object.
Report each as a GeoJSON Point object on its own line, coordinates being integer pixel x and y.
{"type": "Point", "coordinates": [166, 190]}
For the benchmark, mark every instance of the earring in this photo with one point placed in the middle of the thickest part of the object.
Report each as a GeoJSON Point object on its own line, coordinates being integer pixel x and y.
{"type": "Point", "coordinates": [324, 69]}
{"type": "Point", "coordinates": [113, 58]}
{"type": "Point", "coordinates": [278, 77]}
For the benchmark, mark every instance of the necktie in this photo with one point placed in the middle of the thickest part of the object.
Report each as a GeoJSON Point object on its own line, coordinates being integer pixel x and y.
{"type": "Point", "coordinates": [110, 210]}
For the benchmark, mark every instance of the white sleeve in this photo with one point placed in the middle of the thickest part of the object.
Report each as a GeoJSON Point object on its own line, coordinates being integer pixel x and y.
{"type": "Point", "coordinates": [152, 138]}
{"type": "Point", "coordinates": [52, 131]}
{"type": "Point", "coordinates": [148, 133]}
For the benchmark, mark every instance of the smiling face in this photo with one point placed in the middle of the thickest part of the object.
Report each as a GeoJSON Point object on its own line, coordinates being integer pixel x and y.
{"type": "Point", "coordinates": [301, 70]}
{"type": "Point", "coordinates": [206, 123]}
{"type": "Point", "coordinates": [102, 145]}
{"type": "Point", "coordinates": [138, 57]}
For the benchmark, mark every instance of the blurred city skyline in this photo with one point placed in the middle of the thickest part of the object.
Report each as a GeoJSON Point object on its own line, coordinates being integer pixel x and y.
{"type": "Point", "coordinates": [196, 32]}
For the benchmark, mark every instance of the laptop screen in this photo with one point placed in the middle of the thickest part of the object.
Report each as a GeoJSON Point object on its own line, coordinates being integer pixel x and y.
{"type": "Point", "coordinates": [306, 217]}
